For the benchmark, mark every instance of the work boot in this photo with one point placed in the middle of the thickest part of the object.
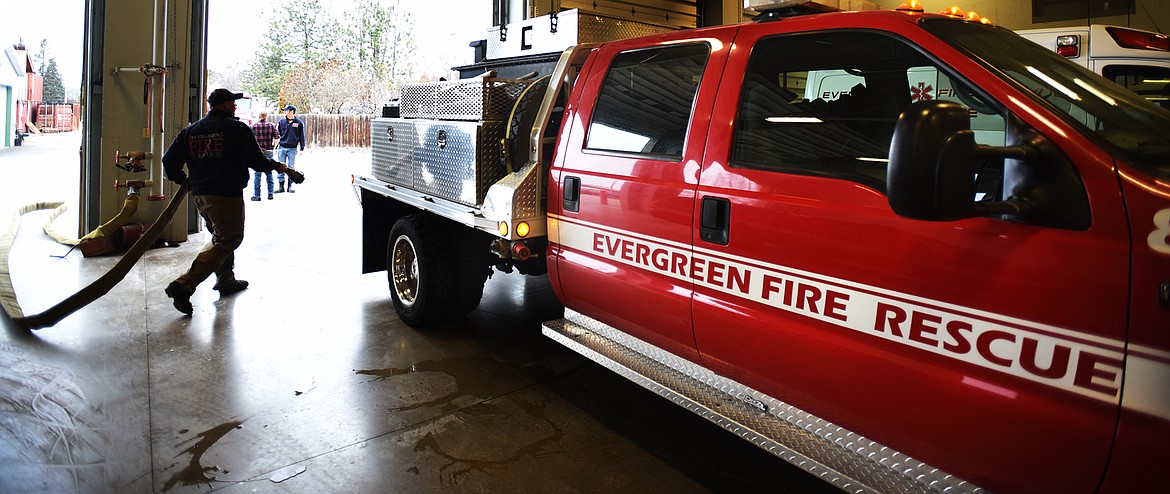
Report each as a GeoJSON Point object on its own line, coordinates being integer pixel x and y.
{"type": "Point", "coordinates": [180, 297]}
{"type": "Point", "coordinates": [231, 287]}
{"type": "Point", "coordinates": [257, 198]}
{"type": "Point", "coordinates": [269, 196]}
{"type": "Point", "coordinates": [281, 188]}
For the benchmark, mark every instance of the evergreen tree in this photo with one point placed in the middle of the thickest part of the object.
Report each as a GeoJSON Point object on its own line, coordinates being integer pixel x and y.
{"type": "Point", "coordinates": [54, 89]}
{"type": "Point", "coordinates": [268, 70]}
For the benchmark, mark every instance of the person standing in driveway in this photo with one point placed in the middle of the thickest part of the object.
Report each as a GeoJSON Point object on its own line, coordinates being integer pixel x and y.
{"type": "Point", "coordinates": [217, 150]}
{"type": "Point", "coordinates": [292, 137]}
{"type": "Point", "coordinates": [266, 136]}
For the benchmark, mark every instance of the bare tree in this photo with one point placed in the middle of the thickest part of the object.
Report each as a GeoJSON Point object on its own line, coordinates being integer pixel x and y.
{"type": "Point", "coordinates": [41, 57]}
{"type": "Point", "coordinates": [311, 30]}
{"type": "Point", "coordinates": [362, 59]}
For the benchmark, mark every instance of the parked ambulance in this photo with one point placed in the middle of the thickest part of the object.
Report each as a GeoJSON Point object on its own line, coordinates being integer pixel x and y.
{"type": "Point", "coordinates": [1136, 59]}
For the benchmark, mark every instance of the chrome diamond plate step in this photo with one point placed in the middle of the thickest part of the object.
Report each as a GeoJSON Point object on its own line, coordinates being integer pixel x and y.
{"type": "Point", "coordinates": [836, 455]}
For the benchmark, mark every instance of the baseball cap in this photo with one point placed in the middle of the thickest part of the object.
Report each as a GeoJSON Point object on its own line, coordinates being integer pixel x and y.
{"type": "Point", "coordinates": [221, 95]}
{"type": "Point", "coordinates": [289, 107]}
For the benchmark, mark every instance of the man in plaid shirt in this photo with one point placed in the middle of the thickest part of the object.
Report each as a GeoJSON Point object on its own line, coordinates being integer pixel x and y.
{"type": "Point", "coordinates": [266, 136]}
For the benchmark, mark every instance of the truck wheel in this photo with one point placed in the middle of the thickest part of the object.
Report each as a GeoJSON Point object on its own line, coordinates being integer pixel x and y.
{"type": "Point", "coordinates": [429, 275]}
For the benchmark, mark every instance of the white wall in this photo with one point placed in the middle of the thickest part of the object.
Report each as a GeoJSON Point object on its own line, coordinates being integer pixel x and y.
{"type": "Point", "coordinates": [8, 107]}
{"type": "Point", "coordinates": [13, 85]}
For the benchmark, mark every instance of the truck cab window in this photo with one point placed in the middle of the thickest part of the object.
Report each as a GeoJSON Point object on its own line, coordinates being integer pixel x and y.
{"type": "Point", "coordinates": [827, 105]}
{"type": "Point", "coordinates": [645, 101]}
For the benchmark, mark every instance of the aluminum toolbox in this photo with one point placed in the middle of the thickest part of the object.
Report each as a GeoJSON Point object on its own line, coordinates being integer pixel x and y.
{"type": "Point", "coordinates": [553, 33]}
{"type": "Point", "coordinates": [453, 160]}
{"type": "Point", "coordinates": [392, 145]}
{"type": "Point", "coordinates": [482, 98]}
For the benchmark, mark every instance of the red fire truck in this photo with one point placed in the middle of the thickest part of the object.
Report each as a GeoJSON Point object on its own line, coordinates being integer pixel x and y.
{"type": "Point", "coordinates": [952, 277]}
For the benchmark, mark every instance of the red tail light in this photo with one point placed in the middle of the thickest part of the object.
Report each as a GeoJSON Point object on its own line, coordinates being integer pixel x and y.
{"type": "Point", "coordinates": [1130, 38]}
{"type": "Point", "coordinates": [1068, 46]}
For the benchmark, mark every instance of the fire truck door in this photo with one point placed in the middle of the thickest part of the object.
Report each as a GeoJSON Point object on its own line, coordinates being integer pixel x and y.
{"type": "Point", "coordinates": [628, 182]}
{"type": "Point", "coordinates": [983, 338]}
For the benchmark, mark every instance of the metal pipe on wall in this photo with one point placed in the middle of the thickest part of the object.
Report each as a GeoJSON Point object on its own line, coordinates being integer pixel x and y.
{"type": "Point", "coordinates": [158, 58]}
{"type": "Point", "coordinates": [179, 23]}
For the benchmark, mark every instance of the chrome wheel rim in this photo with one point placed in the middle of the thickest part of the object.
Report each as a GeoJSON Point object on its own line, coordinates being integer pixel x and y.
{"type": "Point", "coordinates": [404, 270]}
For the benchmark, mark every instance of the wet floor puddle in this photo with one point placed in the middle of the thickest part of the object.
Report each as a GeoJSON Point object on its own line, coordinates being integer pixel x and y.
{"type": "Point", "coordinates": [439, 382]}
{"type": "Point", "coordinates": [516, 428]}
{"type": "Point", "coordinates": [194, 473]}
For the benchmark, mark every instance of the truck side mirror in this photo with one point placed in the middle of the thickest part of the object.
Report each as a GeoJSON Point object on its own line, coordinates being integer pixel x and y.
{"type": "Point", "coordinates": [932, 163]}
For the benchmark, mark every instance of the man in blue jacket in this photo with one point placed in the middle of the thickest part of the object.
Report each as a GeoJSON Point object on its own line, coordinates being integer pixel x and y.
{"type": "Point", "coordinates": [217, 151]}
{"type": "Point", "coordinates": [292, 137]}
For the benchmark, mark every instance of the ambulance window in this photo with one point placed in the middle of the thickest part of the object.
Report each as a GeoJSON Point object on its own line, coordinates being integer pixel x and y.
{"type": "Point", "coordinates": [1152, 83]}
{"type": "Point", "coordinates": [645, 101]}
{"type": "Point", "coordinates": [826, 104]}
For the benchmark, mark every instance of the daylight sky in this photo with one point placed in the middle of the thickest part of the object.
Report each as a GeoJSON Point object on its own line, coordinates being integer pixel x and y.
{"type": "Point", "coordinates": [233, 26]}
{"type": "Point", "coordinates": [64, 30]}
{"type": "Point", "coordinates": [236, 23]}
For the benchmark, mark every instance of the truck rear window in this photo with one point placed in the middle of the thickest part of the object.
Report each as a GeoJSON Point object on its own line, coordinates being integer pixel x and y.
{"type": "Point", "coordinates": [646, 99]}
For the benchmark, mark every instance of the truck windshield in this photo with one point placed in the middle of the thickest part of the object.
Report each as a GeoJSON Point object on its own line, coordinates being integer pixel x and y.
{"type": "Point", "coordinates": [1136, 128]}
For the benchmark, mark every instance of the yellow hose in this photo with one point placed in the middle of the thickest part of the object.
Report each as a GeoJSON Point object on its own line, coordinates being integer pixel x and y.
{"type": "Point", "coordinates": [129, 207]}
{"type": "Point", "coordinates": [94, 290]}
{"type": "Point", "coordinates": [48, 228]}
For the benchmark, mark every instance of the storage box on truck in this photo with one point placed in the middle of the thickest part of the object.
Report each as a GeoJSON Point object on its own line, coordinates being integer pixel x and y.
{"type": "Point", "coordinates": [906, 252]}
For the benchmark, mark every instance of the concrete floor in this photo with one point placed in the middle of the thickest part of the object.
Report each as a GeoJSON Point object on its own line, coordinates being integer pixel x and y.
{"type": "Point", "coordinates": [307, 382]}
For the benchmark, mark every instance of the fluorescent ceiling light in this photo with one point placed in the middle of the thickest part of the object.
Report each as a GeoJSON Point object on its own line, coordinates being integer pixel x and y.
{"type": "Point", "coordinates": [794, 120]}
{"type": "Point", "coordinates": [1051, 82]}
{"type": "Point", "coordinates": [1104, 97]}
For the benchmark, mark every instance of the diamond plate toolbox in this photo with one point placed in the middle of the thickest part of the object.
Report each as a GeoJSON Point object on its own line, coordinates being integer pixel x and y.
{"type": "Point", "coordinates": [453, 160]}
{"type": "Point", "coordinates": [392, 144]}
{"type": "Point", "coordinates": [480, 98]}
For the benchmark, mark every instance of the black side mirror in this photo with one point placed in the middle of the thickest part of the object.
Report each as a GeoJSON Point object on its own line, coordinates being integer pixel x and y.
{"type": "Point", "coordinates": [932, 163]}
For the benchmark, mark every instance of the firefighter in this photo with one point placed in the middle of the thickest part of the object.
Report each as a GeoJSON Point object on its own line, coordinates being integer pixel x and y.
{"type": "Point", "coordinates": [217, 150]}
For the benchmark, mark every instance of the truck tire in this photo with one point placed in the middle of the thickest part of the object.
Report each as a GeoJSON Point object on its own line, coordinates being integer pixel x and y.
{"type": "Point", "coordinates": [431, 274]}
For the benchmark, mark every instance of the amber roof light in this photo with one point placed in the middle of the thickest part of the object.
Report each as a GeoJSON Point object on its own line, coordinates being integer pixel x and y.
{"type": "Point", "coordinates": [912, 6]}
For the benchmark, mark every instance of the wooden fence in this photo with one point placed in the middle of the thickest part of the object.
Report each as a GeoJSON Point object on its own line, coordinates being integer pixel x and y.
{"type": "Point", "coordinates": [335, 130]}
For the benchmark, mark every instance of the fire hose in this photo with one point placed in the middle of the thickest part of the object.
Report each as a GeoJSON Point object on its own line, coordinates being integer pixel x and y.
{"type": "Point", "coordinates": [95, 289]}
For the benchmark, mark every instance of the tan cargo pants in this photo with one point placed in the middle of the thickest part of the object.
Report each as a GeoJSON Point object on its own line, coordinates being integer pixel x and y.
{"type": "Point", "coordinates": [225, 220]}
